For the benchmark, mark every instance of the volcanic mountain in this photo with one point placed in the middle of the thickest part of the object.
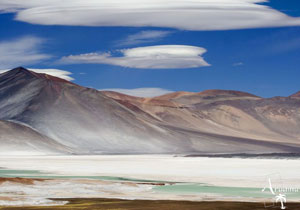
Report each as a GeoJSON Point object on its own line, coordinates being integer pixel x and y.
{"type": "Point", "coordinates": [48, 115]}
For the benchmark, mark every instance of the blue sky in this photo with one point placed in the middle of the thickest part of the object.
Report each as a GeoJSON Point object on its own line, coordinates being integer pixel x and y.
{"type": "Point", "coordinates": [261, 57]}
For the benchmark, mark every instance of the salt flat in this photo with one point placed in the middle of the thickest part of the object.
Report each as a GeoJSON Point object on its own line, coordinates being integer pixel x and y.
{"type": "Point", "coordinates": [233, 172]}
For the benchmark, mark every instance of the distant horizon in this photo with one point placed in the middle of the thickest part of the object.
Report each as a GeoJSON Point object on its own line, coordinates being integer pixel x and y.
{"type": "Point", "coordinates": [128, 91]}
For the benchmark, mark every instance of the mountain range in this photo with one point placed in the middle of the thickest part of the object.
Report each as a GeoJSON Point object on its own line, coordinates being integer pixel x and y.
{"type": "Point", "coordinates": [42, 114]}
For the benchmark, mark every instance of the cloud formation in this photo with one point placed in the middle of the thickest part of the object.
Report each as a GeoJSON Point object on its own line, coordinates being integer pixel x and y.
{"type": "Point", "coordinates": [152, 57]}
{"type": "Point", "coordinates": [238, 64]}
{"type": "Point", "coordinates": [141, 92]}
{"type": "Point", "coordinates": [182, 14]}
{"type": "Point", "coordinates": [53, 72]}
{"type": "Point", "coordinates": [143, 37]}
{"type": "Point", "coordinates": [22, 51]}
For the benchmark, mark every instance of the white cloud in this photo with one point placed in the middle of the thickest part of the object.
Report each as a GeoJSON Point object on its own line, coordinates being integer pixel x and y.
{"type": "Point", "coordinates": [53, 72]}
{"type": "Point", "coordinates": [190, 15]}
{"type": "Point", "coordinates": [238, 64]}
{"type": "Point", "coordinates": [143, 37]}
{"type": "Point", "coordinates": [141, 92]}
{"type": "Point", "coordinates": [22, 51]}
{"type": "Point", "coordinates": [152, 57]}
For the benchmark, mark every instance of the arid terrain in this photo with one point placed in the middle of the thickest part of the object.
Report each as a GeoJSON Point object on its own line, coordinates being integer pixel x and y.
{"type": "Point", "coordinates": [42, 114]}
{"type": "Point", "coordinates": [60, 140]}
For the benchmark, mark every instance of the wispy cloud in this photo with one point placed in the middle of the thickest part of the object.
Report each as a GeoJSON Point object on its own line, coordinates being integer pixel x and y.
{"type": "Point", "coordinates": [152, 57]}
{"type": "Point", "coordinates": [22, 51]}
{"type": "Point", "coordinates": [285, 46]}
{"type": "Point", "coordinates": [182, 14]}
{"type": "Point", "coordinates": [238, 64]}
{"type": "Point", "coordinates": [141, 92]}
{"type": "Point", "coordinates": [143, 37]}
{"type": "Point", "coordinates": [53, 72]}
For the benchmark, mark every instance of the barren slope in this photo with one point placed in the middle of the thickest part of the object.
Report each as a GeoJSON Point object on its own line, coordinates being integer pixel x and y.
{"type": "Point", "coordinates": [21, 140]}
{"type": "Point", "coordinates": [94, 122]}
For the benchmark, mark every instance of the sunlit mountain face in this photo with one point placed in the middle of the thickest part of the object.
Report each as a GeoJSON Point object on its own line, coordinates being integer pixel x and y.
{"type": "Point", "coordinates": [47, 114]}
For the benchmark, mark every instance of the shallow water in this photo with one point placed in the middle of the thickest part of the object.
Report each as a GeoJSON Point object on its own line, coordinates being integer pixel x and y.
{"type": "Point", "coordinates": [41, 175]}
{"type": "Point", "coordinates": [229, 192]}
{"type": "Point", "coordinates": [187, 189]}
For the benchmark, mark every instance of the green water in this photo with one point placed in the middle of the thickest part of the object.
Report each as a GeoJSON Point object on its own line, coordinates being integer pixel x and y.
{"type": "Point", "coordinates": [195, 188]}
{"type": "Point", "coordinates": [41, 175]}
{"type": "Point", "coordinates": [172, 188]}
{"type": "Point", "coordinates": [17, 173]}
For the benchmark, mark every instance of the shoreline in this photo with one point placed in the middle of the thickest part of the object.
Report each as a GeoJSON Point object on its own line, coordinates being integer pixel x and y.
{"type": "Point", "coordinates": [132, 177]}
{"type": "Point", "coordinates": [45, 192]}
{"type": "Point", "coordinates": [234, 172]}
{"type": "Point", "coordinates": [122, 204]}
{"type": "Point", "coordinates": [267, 156]}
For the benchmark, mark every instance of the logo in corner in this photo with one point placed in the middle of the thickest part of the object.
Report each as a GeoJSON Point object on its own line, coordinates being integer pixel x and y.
{"type": "Point", "coordinates": [278, 196]}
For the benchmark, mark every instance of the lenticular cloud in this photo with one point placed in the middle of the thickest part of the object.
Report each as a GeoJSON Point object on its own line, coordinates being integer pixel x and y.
{"type": "Point", "coordinates": [151, 57]}
{"type": "Point", "coordinates": [181, 14]}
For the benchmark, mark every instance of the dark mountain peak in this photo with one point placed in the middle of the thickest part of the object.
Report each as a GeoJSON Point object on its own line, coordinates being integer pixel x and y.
{"type": "Point", "coordinates": [20, 69]}
{"type": "Point", "coordinates": [23, 73]}
{"type": "Point", "coordinates": [16, 74]}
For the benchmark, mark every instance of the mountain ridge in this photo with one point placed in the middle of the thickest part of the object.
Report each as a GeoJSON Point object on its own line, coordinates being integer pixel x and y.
{"type": "Point", "coordinates": [176, 94]}
{"type": "Point", "coordinates": [21, 70]}
{"type": "Point", "coordinates": [88, 121]}
{"type": "Point", "coordinates": [296, 94]}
